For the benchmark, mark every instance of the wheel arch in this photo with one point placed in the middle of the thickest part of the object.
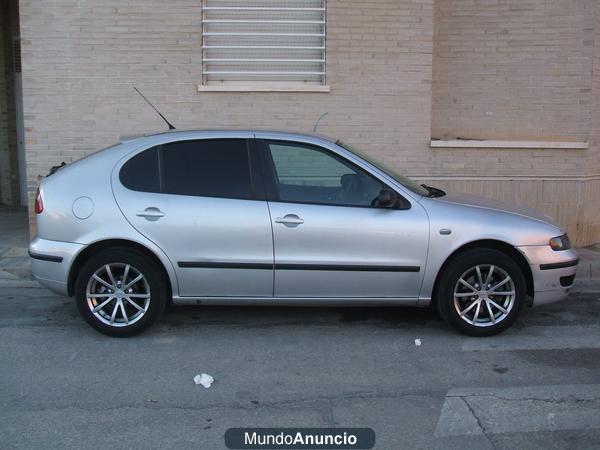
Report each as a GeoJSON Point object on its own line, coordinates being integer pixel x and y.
{"type": "Point", "coordinates": [501, 246]}
{"type": "Point", "coordinates": [98, 246]}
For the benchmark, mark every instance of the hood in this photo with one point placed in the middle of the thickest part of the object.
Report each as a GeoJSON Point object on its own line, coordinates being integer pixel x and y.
{"type": "Point", "coordinates": [496, 205]}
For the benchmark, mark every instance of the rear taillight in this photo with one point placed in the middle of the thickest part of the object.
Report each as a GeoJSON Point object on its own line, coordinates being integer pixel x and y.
{"type": "Point", "coordinates": [39, 204]}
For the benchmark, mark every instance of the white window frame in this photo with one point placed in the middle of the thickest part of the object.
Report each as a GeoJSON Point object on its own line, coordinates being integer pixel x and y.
{"type": "Point", "coordinates": [256, 85]}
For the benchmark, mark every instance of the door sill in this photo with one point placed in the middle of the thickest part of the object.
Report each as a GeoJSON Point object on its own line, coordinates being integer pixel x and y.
{"type": "Point", "coordinates": [298, 301]}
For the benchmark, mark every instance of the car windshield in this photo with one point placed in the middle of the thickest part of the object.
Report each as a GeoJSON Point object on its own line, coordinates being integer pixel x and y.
{"type": "Point", "coordinates": [403, 180]}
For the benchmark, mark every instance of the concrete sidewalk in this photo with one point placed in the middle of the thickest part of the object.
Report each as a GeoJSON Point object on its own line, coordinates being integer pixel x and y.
{"type": "Point", "coordinates": [15, 268]}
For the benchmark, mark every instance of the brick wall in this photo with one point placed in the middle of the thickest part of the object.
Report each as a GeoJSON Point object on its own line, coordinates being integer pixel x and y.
{"type": "Point", "coordinates": [591, 215]}
{"type": "Point", "coordinates": [513, 69]}
{"type": "Point", "coordinates": [81, 59]}
{"type": "Point", "coordinates": [520, 70]}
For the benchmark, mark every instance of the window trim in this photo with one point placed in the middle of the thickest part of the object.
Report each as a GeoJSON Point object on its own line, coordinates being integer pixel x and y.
{"type": "Point", "coordinates": [257, 188]}
{"type": "Point", "coordinates": [264, 87]}
{"type": "Point", "coordinates": [508, 144]}
{"type": "Point", "coordinates": [270, 175]}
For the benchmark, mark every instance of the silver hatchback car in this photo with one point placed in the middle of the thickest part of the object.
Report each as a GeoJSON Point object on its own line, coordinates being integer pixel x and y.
{"type": "Point", "coordinates": [255, 217]}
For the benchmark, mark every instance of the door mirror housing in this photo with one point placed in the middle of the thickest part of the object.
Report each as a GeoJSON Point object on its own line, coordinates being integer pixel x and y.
{"type": "Point", "coordinates": [390, 199]}
{"type": "Point", "coordinates": [386, 198]}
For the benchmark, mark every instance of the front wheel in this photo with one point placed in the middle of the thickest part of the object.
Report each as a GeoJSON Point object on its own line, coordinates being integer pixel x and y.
{"type": "Point", "coordinates": [481, 292]}
{"type": "Point", "coordinates": [120, 292]}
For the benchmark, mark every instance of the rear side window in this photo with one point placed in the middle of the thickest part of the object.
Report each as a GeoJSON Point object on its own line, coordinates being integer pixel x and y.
{"type": "Point", "coordinates": [140, 173]}
{"type": "Point", "coordinates": [210, 168]}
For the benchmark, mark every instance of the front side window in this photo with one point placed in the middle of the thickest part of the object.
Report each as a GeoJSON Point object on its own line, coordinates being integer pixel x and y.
{"type": "Point", "coordinates": [206, 168]}
{"type": "Point", "coordinates": [307, 174]}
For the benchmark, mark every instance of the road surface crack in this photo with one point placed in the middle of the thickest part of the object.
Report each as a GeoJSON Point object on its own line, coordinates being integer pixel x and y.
{"type": "Point", "coordinates": [479, 424]}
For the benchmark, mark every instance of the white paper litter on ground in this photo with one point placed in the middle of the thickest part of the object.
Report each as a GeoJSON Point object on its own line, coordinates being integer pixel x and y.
{"type": "Point", "coordinates": [418, 342]}
{"type": "Point", "coordinates": [204, 379]}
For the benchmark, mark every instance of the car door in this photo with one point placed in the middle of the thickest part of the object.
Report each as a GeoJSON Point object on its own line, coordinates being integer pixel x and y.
{"type": "Point", "coordinates": [330, 240]}
{"type": "Point", "coordinates": [198, 201]}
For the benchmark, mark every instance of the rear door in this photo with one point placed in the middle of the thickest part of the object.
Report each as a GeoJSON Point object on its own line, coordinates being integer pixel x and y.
{"type": "Point", "coordinates": [330, 239]}
{"type": "Point", "coordinates": [201, 203]}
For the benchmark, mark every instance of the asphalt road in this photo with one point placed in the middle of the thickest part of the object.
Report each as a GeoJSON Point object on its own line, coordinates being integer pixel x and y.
{"type": "Point", "coordinates": [64, 385]}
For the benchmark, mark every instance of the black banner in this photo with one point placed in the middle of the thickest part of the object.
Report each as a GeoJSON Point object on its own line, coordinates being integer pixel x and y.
{"type": "Point", "coordinates": [300, 438]}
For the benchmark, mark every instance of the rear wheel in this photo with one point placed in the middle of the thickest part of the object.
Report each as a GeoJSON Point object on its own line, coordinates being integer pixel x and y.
{"type": "Point", "coordinates": [120, 292]}
{"type": "Point", "coordinates": [481, 292]}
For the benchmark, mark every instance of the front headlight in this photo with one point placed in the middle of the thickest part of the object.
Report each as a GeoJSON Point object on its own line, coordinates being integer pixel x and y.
{"type": "Point", "coordinates": [560, 243]}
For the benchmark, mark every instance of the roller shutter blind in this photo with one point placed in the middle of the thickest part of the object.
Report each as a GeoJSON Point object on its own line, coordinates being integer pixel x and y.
{"type": "Point", "coordinates": [263, 41]}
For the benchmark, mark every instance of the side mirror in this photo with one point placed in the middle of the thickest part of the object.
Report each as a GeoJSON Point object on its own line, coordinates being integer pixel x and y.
{"type": "Point", "coordinates": [386, 198]}
{"type": "Point", "coordinates": [389, 199]}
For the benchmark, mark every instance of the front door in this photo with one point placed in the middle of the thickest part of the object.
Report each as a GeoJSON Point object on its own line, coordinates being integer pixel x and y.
{"type": "Point", "coordinates": [197, 201]}
{"type": "Point", "coordinates": [330, 239]}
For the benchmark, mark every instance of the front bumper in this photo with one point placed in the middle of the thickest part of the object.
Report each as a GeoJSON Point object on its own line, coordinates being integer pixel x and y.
{"type": "Point", "coordinates": [553, 272]}
{"type": "Point", "coordinates": [51, 262]}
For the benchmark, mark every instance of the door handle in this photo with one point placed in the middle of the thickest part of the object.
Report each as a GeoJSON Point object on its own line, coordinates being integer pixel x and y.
{"type": "Point", "coordinates": [151, 214]}
{"type": "Point", "coordinates": [290, 220]}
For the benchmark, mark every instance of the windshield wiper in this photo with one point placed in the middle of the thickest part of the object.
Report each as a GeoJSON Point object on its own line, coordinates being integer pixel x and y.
{"type": "Point", "coordinates": [433, 191]}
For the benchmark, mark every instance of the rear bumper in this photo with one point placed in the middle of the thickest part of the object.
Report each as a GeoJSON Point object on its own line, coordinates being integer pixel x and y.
{"type": "Point", "coordinates": [51, 262]}
{"type": "Point", "coordinates": [553, 272]}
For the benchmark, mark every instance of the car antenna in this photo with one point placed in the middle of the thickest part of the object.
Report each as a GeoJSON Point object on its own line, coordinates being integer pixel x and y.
{"type": "Point", "coordinates": [319, 121]}
{"type": "Point", "coordinates": [171, 127]}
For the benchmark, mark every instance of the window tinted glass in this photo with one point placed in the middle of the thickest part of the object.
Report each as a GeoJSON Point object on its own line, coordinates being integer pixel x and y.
{"type": "Point", "coordinates": [403, 180]}
{"type": "Point", "coordinates": [311, 175]}
{"type": "Point", "coordinates": [140, 173]}
{"type": "Point", "coordinates": [212, 168]}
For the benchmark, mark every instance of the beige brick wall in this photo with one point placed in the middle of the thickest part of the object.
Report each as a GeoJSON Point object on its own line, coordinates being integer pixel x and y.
{"type": "Point", "coordinates": [513, 69]}
{"type": "Point", "coordinates": [82, 57]}
{"type": "Point", "coordinates": [592, 207]}
{"type": "Point", "coordinates": [521, 70]}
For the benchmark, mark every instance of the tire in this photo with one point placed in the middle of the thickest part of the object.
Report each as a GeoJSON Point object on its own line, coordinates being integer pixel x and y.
{"type": "Point", "coordinates": [498, 309]}
{"type": "Point", "coordinates": [134, 306]}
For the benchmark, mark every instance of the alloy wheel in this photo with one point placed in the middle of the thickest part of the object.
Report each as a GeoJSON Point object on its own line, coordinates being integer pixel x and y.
{"type": "Point", "coordinates": [118, 294]}
{"type": "Point", "coordinates": [484, 295]}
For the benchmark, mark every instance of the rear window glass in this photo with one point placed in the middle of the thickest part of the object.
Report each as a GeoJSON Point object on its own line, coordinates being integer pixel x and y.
{"type": "Point", "coordinates": [209, 168]}
{"type": "Point", "coordinates": [140, 173]}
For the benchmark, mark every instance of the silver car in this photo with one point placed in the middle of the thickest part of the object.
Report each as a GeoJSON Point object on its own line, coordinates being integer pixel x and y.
{"type": "Point", "coordinates": [256, 217]}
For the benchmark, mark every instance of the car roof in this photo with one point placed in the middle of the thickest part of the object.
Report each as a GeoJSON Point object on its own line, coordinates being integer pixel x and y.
{"type": "Point", "coordinates": [224, 131]}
